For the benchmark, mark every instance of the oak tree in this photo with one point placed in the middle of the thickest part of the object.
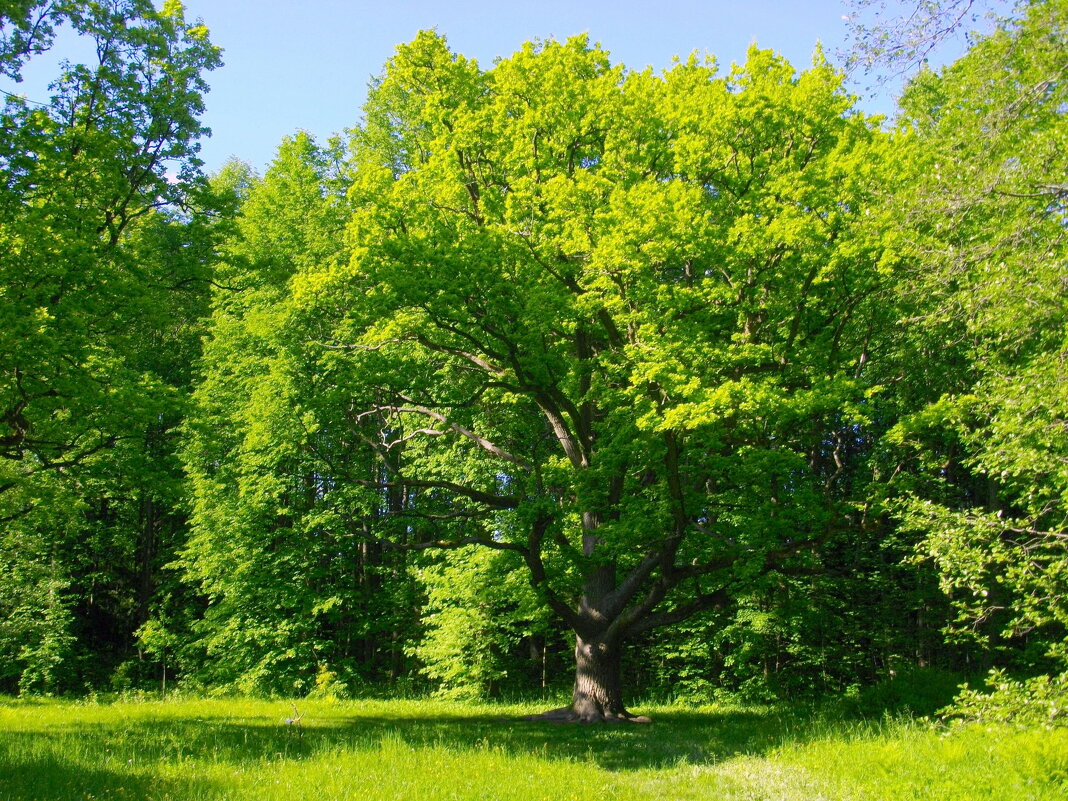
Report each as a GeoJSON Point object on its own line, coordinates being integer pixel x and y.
{"type": "Point", "coordinates": [616, 323]}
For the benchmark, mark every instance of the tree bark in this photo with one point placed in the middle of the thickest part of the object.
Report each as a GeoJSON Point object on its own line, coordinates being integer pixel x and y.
{"type": "Point", "coordinates": [598, 691]}
{"type": "Point", "coordinates": [597, 696]}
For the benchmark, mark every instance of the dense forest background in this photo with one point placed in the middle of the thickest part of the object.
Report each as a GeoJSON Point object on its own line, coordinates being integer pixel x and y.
{"type": "Point", "coordinates": [706, 363]}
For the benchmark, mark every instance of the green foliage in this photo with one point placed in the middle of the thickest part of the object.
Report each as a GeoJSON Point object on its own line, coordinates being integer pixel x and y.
{"type": "Point", "coordinates": [105, 254]}
{"type": "Point", "coordinates": [614, 323]}
{"type": "Point", "coordinates": [920, 692]}
{"type": "Point", "coordinates": [39, 630]}
{"type": "Point", "coordinates": [103, 527]}
{"type": "Point", "coordinates": [81, 175]}
{"type": "Point", "coordinates": [1038, 702]}
{"type": "Point", "coordinates": [702, 348]}
{"type": "Point", "coordinates": [480, 611]}
{"type": "Point", "coordinates": [328, 685]}
{"type": "Point", "coordinates": [276, 545]}
{"type": "Point", "coordinates": [864, 621]}
{"type": "Point", "coordinates": [986, 209]}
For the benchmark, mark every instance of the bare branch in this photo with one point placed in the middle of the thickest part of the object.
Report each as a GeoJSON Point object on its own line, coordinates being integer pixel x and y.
{"type": "Point", "coordinates": [430, 432]}
{"type": "Point", "coordinates": [379, 346]}
{"type": "Point", "coordinates": [494, 501]}
{"type": "Point", "coordinates": [463, 514]}
{"type": "Point", "coordinates": [481, 441]}
{"type": "Point", "coordinates": [475, 359]}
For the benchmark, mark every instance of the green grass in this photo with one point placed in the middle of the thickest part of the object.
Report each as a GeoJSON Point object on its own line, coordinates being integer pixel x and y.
{"type": "Point", "coordinates": [241, 749]}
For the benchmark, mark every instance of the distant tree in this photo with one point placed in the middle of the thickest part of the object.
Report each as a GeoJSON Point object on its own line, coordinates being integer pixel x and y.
{"type": "Point", "coordinates": [616, 324]}
{"type": "Point", "coordinates": [896, 39]}
{"type": "Point", "coordinates": [484, 628]}
{"type": "Point", "coordinates": [100, 530]}
{"type": "Point", "coordinates": [277, 545]}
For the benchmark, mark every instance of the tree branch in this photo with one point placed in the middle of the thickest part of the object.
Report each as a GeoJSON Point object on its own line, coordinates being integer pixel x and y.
{"type": "Point", "coordinates": [489, 499]}
{"type": "Point", "coordinates": [538, 578]}
{"type": "Point", "coordinates": [485, 542]}
{"type": "Point", "coordinates": [709, 600]}
{"type": "Point", "coordinates": [481, 441]}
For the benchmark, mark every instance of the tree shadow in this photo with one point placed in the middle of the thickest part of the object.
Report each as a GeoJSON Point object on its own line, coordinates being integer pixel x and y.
{"type": "Point", "coordinates": [675, 736]}
{"type": "Point", "coordinates": [50, 776]}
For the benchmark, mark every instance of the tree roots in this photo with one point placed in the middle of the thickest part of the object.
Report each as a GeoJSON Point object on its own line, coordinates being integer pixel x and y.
{"type": "Point", "coordinates": [568, 714]}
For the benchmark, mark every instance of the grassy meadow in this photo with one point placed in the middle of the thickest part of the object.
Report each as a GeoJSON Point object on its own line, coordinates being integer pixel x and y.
{"type": "Point", "coordinates": [180, 750]}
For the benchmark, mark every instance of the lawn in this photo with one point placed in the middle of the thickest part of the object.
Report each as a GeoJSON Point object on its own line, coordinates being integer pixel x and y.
{"type": "Point", "coordinates": [242, 749]}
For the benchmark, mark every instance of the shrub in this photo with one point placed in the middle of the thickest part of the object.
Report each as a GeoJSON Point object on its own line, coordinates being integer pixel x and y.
{"type": "Point", "coordinates": [1038, 701]}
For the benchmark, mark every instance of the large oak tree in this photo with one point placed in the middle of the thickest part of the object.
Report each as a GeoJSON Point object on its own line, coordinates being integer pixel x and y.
{"type": "Point", "coordinates": [616, 323]}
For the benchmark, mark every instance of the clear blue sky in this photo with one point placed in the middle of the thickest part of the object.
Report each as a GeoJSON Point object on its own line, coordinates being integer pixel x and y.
{"type": "Point", "coordinates": [306, 65]}
{"type": "Point", "coordinates": [293, 65]}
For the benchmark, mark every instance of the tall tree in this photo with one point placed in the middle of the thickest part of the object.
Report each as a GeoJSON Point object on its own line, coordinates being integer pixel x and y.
{"type": "Point", "coordinates": [277, 545]}
{"type": "Point", "coordinates": [117, 141]}
{"type": "Point", "coordinates": [986, 220]}
{"type": "Point", "coordinates": [105, 265]}
{"type": "Point", "coordinates": [616, 323]}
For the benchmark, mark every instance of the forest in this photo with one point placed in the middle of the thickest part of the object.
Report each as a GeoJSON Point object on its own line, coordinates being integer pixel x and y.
{"type": "Point", "coordinates": [549, 378]}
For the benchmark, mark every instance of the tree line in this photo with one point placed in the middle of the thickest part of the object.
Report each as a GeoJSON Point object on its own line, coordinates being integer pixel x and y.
{"type": "Point", "coordinates": [550, 374]}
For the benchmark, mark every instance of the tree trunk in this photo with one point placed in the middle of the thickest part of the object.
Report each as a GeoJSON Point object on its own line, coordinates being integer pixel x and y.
{"type": "Point", "coordinates": [598, 693]}
{"type": "Point", "coordinates": [597, 696]}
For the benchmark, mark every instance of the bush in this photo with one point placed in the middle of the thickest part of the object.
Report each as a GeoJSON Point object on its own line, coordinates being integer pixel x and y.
{"type": "Point", "coordinates": [1038, 701]}
{"type": "Point", "coordinates": [329, 686]}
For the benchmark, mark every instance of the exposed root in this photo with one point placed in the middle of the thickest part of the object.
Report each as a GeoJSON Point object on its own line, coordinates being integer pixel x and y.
{"type": "Point", "coordinates": [568, 714]}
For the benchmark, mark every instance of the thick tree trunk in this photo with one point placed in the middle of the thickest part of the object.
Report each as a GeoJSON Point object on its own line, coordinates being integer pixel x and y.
{"type": "Point", "coordinates": [597, 696]}
{"type": "Point", "coordinates": [598, 693]}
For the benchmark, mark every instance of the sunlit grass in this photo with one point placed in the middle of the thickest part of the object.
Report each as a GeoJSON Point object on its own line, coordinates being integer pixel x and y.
{"type": "Point", "coordinates": [182, 750]}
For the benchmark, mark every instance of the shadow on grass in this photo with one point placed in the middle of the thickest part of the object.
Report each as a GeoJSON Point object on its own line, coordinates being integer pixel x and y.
{"type": "Point", "coordinates": [675, 736]}
{"type": "Point", "coordinates": [50, 776]}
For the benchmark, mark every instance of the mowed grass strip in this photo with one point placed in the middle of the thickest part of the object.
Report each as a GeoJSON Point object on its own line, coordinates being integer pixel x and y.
{"type": "Point", "coordinates": [181, 750]}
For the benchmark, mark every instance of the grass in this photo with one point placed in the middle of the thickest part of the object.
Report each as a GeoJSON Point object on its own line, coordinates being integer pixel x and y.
{"type": "Point", "coordinates": [182, 750]}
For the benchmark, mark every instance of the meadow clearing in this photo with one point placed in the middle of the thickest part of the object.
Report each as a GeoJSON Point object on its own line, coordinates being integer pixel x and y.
{"type": "Point", "coordinates": [197, 749]}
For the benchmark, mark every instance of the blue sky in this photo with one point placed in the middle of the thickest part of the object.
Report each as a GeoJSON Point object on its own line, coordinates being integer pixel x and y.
{"type": "Point", "coordinates": [306, 65]}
